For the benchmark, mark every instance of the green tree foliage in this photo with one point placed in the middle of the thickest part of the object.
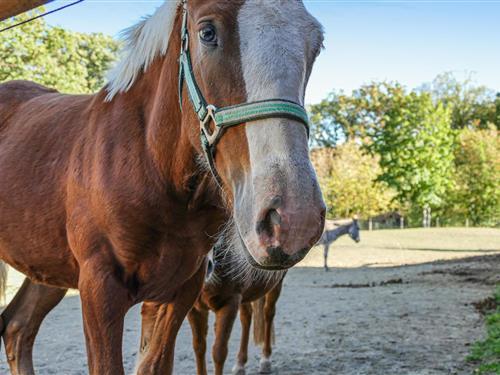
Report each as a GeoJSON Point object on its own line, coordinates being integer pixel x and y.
{"type": "Point", "coordinates": [331, 119]}
{"type": "Point", "coordinates": [470, 105]}
{"type": "Point", "coordinates": [408, 132]}
{"type": "Point", "coordinates": [414, 142]}
{"type": "Point", "coordinates": [69, 61]}
{"type": "Point", "coordinates": [348, 179]}
{"type": "Point", "coordinates": [343, 117]}
{"type": "Point", "coordinates": [476, 194]}
{"type": "Point", "coordinates": [497, 110]}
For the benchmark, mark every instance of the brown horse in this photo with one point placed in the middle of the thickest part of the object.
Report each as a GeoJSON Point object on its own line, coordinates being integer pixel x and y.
{"type": "Point", "coordinates": [114, 194]}
{"type": "Point", "coordinates": [233, 285]}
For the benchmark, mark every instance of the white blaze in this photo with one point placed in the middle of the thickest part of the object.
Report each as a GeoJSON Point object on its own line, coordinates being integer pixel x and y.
{"type": "Point", "coordinates": [279, 41]}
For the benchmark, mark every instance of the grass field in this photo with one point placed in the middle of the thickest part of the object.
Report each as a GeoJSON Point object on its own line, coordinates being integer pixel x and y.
{"type": "Point", "coordinates": [385, 248]}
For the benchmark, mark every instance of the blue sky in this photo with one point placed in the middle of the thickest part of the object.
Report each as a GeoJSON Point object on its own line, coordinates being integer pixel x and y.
{"type": "Point", "coordinates": [408, 41]}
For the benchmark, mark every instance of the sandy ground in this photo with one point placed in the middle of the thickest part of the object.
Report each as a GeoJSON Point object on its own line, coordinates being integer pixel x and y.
{"type": "Point", "coordinates": [393, 304]}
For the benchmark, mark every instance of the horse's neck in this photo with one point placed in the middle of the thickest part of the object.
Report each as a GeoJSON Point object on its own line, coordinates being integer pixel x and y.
{"type": "Point", "coordinates": [342, 230]}
{"type": "Point", "coordinates": [154, 99]}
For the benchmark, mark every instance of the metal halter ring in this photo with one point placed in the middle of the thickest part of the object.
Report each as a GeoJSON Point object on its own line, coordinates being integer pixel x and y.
{"type": "Point", "coordinates": [212, 136]}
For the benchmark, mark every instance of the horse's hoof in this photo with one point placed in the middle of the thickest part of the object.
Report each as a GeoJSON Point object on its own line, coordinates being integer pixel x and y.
{"type": "Point", "coordinates": [265, 366]}
{"type": "Point", "coordinates": [239, 369]}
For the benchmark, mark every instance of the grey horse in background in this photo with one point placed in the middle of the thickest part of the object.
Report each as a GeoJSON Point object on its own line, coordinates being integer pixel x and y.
{"type": "Point", "coordinates": [330, 236]}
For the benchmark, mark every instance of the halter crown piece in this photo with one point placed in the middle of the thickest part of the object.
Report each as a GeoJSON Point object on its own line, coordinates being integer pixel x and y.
{"type": "Point", "coordinates": [226, 117]}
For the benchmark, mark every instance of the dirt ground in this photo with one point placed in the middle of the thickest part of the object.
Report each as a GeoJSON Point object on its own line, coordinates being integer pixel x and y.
{"type": "Point", "coordinates": [397, 303]}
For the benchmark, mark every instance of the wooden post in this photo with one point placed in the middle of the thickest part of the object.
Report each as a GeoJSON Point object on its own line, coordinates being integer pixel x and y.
{"type": "Point", "coordinates": [10, 8]}
{"type": "Point", "coordinates": [370, 224]}
{"type": "Point", "coordinates": [437, 222]}
{"type": "Point", "coordinates": [401, 222]}
{"type": "Point", "coordinates": [467, 223]}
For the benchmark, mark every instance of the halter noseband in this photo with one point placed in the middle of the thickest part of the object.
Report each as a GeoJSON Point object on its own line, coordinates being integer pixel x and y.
{"type": "Point", "coordinates": [226, 117]}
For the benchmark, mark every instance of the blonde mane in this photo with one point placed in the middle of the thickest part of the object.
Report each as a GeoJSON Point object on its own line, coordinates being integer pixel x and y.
{"type": "Point", "coordinates": [143, 43]}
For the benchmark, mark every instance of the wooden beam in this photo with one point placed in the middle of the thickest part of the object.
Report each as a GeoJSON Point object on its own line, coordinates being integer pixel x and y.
{"type": "Point", "coordinates": [10, 8]}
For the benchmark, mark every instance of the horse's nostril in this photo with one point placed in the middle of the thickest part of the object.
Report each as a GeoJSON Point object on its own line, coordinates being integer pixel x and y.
{"type": "Point", "coordinates": [274, 217]}
{"type": "Point", "coordinates": [267, 224]}
{"type": "Point", "coordinates": [276, 202]}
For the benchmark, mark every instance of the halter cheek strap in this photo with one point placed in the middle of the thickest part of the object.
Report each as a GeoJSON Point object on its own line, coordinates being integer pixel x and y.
{"type": "Point", "coordinates": [226, 117]}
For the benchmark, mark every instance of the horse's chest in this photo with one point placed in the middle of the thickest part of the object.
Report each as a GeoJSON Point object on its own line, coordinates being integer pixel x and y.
{"type": "Point", "coordinates": [155, 247]}
{"type": "Point", "coordinates": [161, 276]}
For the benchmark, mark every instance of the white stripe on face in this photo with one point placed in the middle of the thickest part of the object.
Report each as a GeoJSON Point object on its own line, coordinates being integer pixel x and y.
{"type": "Point", "coordinates": [279, 41]}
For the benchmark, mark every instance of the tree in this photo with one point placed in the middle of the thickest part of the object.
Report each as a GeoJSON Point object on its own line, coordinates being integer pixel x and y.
{"type": "Point", "coordinates": [475, 194]}
{"type": "Point", "coordinates": [471, 105]}
{"type": "Point", "coordinates": [409, 133]}
{"type": "Point", "coordinates": [348, 180]}
{"type": "Point", "coordinates": [414, 142]}
{"type": "Point", "coordinates": [68, 61]}
{"type": "Point", "coordinates": [343, 117]}
{"type": "Point", "coordinates": [331, 119]}
{"type": "Point", "coordinates": [497, 110]}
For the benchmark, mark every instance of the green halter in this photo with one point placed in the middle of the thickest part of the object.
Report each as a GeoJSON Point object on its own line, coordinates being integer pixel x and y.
{"type": "Point", "coordinates": [223, 118]}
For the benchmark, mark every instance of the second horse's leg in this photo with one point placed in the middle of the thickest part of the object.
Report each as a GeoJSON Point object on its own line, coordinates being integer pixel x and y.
{"type": "Point", "coordinates": [224, 321]}
{"type": "Point", "coordinates": [326, 247]}
{"type": "Point", "coordinates": [22, 319]}
{"type": "Point", "coordinates": [198, 319]}
{"type": "Point", "coordinates": [269, 312]}
{"type": "Point", "coordinates": [246, 321]}
{"type": "Point", "coordinates": [149, 313]}
{"type": "Point", "coordinates": [159, 358]}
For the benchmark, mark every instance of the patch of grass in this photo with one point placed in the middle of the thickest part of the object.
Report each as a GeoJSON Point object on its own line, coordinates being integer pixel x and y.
{"type": "Point", "coordinates": [487, 353]}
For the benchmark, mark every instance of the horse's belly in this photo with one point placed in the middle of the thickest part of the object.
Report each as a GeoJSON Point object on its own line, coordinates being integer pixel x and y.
{"type": "Point", "coordinates": [54, 267]}
{"type": "Point", "coordinates": [33, 240]}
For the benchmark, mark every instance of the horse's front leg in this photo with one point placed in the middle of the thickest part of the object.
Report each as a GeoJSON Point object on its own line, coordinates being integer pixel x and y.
{"type": "Point", "coordinates": [105, 301]}
{"type": "Point", "coordinates": [159, 356]}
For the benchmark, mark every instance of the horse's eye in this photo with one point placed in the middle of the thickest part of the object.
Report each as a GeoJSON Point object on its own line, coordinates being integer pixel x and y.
{"type": "Point", "coordinates": [208, 35]}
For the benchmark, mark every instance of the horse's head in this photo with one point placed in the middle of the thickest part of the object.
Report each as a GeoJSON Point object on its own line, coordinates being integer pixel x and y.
{"type": "Point", "coordinates": [249, 52]}
{"type": "Point", "coordinates": [354, 230]}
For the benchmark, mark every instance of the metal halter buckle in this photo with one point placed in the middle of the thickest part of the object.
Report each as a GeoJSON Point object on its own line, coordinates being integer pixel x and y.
{"type": "Point", "coordinates": [204, 125]}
